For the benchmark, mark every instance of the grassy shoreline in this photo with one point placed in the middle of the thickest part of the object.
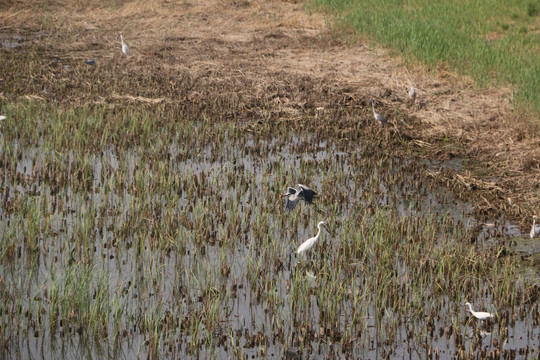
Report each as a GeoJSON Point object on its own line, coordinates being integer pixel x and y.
{"type": "Point", "coordinates": [495, 42]}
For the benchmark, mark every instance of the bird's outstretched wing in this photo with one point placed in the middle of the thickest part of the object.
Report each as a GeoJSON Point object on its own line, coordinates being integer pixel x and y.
{"type": "Point", "coordinates": [291, 201]}
{"type": "Point", "coordinates": [290, 191]}
{"type": "Point", "coordinates": [306, 193]}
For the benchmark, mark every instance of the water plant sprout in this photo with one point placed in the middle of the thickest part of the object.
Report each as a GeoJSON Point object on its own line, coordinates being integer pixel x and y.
{"type": "Point", "coordinates": [308, 244]}
{"type": "Point", "coordinates": [480, 315]}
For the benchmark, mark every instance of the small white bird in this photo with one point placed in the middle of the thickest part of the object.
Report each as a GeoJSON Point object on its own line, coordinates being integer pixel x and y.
{"type": "Point", "coordinates": [535, 230]}
{"type": "Point", "coordinates": [480, 315]}
{"type": "Point", "coordinates": [412, 94]}
{"type": "Point", "coordinates": [2, 117]}
{"type": "Point", "coordinates": [125, 48]}
{"type": "Point", "coordinates": [378, 116]}
{"type": "Point", "coordinates": [308, 244]}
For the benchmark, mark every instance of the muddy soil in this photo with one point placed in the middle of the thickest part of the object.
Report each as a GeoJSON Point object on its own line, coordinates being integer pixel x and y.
{"type": "Point", "coordinates": [261, 63]}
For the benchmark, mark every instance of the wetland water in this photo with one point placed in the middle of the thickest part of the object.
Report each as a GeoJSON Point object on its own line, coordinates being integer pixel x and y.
{"type": "Point", "coordinates": [180, 247]}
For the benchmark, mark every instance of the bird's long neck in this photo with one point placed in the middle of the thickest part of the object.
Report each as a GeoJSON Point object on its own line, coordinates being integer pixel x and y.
{"type": "Point", "coordinates": [318, 232]}
{"type": "Point", "coordinates": [373, 107]}
{"type": "Point", "coordinates": [121, 38]}
{"type": "Point", "coordinates": [470, 308]}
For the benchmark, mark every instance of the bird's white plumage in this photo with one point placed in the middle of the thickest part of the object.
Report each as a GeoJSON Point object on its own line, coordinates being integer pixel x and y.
{"type": "Point", "coordinates": [535, 229]}
{"type": "Point", "coordinates": [480, 315]}
{"type": "Point", "coordinates": [125, 48]}
{"type": "Point", "coordinates": [412, 94]}
{"type": "Point", "coordinates": [2, 117]}
{"type": "Point", "coordinates": [308, 244]}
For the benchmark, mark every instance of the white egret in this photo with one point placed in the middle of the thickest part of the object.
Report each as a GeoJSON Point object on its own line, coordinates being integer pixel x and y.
{"type": "Point", "coordinates": [308, 244]}
{"type": "Point", "coordinates": [319, 111]}
{"type": "Point", "coordinates": [295, 195]}
{"type": "Point", "coordinates": [535, 230]}
{"type": "Point", "coordinates": [378, 116]}
{"type": "Point", "coordinates": [125, 48]}
{"type": "Point", "coordinates": [2, 117]}
{"type": "Point", "coordinates": [412, 94]}
{"type": "Point", "coordinates": [480, 315]}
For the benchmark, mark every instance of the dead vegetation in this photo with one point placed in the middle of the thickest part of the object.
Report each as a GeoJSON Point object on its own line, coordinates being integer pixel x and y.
{"type": "Point", "coordinates": [268, 62]}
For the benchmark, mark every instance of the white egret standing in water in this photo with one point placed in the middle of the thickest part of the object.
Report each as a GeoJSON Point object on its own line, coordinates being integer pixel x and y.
{"type": "Point", "coordinates": [308, 244]}
{"type": "Point", "coordinates": [125, 48]}
{"type": "Point", "coordinates": [480, 315]}
{"type": "Point", "coordinates": [535, 230]}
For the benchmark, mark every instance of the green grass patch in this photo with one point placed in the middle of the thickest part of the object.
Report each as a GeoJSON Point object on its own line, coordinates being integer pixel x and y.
{"type": "Point", "coordinates": [494, 41]}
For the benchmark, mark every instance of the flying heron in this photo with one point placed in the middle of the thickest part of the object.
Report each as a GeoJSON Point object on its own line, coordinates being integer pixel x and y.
{"type": "Point", "coordinates": [480, 315]}
{"type": "Point", "coordinates": [535, 230]}
{"type": "Point", "coordinates": [308, 244]}
{"type": "Point", "coordinates": [295, 195]}
{"type": "Point", "coordinates": [378, 116]}
{"type": "Point", "coordinates": [125, 48]}
{"type": "Point", "coordinates": [412, 95]}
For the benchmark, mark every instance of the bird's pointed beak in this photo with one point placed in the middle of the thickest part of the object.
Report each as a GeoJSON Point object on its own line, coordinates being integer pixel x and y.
{"type": "Point", "coordinates": [328, 229]}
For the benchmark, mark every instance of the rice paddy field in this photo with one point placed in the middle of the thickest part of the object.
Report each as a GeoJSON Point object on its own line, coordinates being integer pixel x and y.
{"type": "Point", "coordinates": [142, 213]}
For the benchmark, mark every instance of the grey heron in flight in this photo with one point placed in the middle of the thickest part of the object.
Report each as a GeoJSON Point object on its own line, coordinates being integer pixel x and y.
{"type": "Point", "coordinates": [535, 230]}
{"type": "Point", "coordinates": [125, 48]}
{"type": "Point", "coordinates": [308, 244]}
{"type": "Point", "coordinates": [293, 196]}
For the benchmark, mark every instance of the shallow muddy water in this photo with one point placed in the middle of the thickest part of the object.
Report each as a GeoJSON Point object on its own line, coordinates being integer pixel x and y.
{"type": "Point", "coordinates": [182, 248]}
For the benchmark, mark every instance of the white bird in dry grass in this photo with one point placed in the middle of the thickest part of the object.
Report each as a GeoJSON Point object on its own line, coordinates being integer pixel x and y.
{"type": "Point", "coordinates": [294, 196]}
{"type": "Point", "coordinates": [308, 244]}
{"type": "Point", "coordinates": [480, 315]}
{"type": "Point", "coordinates": [125, 48]}
{"type": "Point", "coordinates": [378, 116]}
{"type": "Point", "coordinates": [412, 94]}
{"type": "Point", "coordinates": [535, 230]}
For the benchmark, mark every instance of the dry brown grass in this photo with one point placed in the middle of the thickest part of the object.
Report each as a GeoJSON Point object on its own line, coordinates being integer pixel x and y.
{"type": "Point", "coordinates": [273, 50]}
